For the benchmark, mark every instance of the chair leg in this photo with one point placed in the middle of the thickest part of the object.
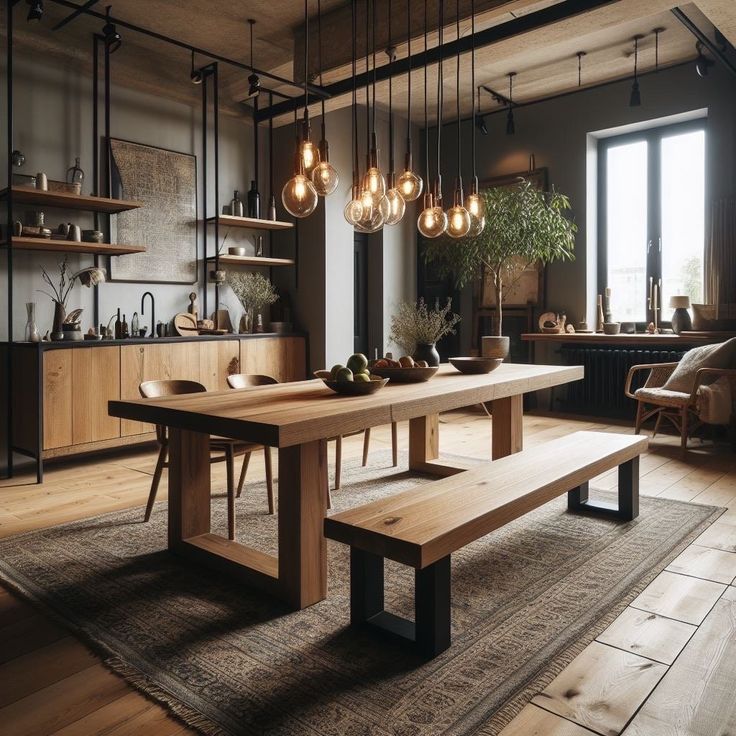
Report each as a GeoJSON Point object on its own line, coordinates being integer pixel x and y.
{"type": "Point", "coordinates": [269, 479]}
{"type": "Point", "coordinates": [338, 462]}
{"type": "Point", "coordinates": [639, 412]}
{"type": "Point", "coordinates": [683, 430]}
{"type": "Point", "coordinates": [656, 424]}
{"type": "Point", "coordinates": [395, 443]}
{"type": "Point", "coordinates": [241, 482]}
{"type": "Point", "coordinates": [156, 480]}
{"type": "Point", "coordinates": [230, 465]}
{"type": "Point", "coordinates": [366, 445]}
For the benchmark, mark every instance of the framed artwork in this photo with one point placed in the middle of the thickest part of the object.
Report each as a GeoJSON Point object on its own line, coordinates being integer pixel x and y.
{"type": "Point", "coordinates": [528, 288]}
{"type": "Point", "coordinates": [166, 182]}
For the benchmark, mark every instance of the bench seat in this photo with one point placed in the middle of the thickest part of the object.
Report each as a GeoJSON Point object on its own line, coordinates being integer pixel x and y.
{"type": "Point", "coordinates": [423, 526]}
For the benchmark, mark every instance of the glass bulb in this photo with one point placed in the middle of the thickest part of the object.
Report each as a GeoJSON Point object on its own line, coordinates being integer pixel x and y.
{"type": "Point", "coordinates": [432, 222]}
{"type": "Point", "coordinates": [374, 182]}
{"type": "Point", "coordinates": [474, 205]}
{"type": "Point", "coordinates": [477, 225]}
{"type": "Point", "coordinates": [353, 211]}
{"type": "Point", "coordinates": [310, 156]}
{"type": "Point", "coordinates": [396, 206]}
{"type": "Point", "coordinates": [458, 221]}
{"type": "Point", "coordinates": [299, 196]}
{"type": "Point", "coordinates": [367, 200]}
{"type": "Point", "coordinates": [410, 186]}
{"type": "Point", "coordinates": [325, 178]}
{"type": "Point", "coordinates": [372, 223]}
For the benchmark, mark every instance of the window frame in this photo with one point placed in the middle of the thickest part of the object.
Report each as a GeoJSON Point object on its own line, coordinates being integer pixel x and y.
{"type": "Point", "coordinates": [653, 137]}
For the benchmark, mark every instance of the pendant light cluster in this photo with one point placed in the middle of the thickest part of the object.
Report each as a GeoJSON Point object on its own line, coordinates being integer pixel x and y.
{"type": "Point", "coordinates": [474, 202]}
{"type": "Point", "coordinates": [314, 176]}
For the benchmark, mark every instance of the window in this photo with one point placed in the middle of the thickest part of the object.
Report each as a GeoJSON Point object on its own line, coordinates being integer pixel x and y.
{"type": "Point", "coordinates": [652, 215]}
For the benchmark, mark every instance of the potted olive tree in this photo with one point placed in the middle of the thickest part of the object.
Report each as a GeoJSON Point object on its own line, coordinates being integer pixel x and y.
{"type": "Point", "coordinates": [524, 226]}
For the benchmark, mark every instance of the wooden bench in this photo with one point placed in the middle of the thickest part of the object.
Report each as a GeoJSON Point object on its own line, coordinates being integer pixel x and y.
{"type": "Point", "coordinates": [423, 526]}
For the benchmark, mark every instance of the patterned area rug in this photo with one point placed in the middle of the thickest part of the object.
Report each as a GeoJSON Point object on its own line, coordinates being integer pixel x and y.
{"type": "Point", "coordinates": [526, 599]}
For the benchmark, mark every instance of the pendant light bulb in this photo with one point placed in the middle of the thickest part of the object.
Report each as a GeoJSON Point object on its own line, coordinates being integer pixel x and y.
{"type": "Point", "coordinates": [354, 208]}
{"type": "Point", "coordinates": [458, 218]}
{"type": "Point", "coordinates": [325, 178]}
{"type": "Point", "coordinates": [309, 152]}
{"type": "Point", "coordinates": [396, 205]}
{"type": "Point", "coordinates": [476, 209]}
{"type": "Point", "coordinates": [374, 216]}
{"type": "Point", "coordinates": [432, 221]}
{"type": "Point", "coordinates": [410, 184]}
{"type": "Point", "coordinates": [374, 183]}
{"type": "Point", "coordinates": [299, 196]}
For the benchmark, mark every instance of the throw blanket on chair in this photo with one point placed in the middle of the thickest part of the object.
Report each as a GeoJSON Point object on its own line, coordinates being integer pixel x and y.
{"type": "Point", "coordinates": [714, 402]}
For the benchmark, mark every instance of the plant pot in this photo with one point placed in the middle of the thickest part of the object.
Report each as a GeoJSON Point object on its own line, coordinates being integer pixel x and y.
{"type": "Point", "coordinates": [57, 331]}
{"type": "Point", "coordinates": [495, 346]}
{"type": "Point", "coordinates": [428, 353]}
{"type": "Point", "coordinates": [681, 320]}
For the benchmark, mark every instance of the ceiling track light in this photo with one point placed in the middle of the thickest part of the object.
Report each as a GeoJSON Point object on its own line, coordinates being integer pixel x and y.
{"type": "Point", "coordinates": [196, 75]}
{"type": "Point", "coordinates": [656, 32]}
{"type": "Point", "coordinates": [113, 40]}
{"type": "Point", "coordinates": [635, 96]}
{"type": "Point", "coordinates": [510, 123]}
{"type": "Point", "coordinates": [254, 81]}
{"type": "Point", "coordinates": [35, 10]}
{"type": "Point", "coordinates": [702, 64]}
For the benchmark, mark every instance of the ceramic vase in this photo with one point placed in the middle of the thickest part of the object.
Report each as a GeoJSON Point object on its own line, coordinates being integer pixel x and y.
{"type": "Point", "coordinates": [681, 320]}
{"type": "Point", "coordinates": [57, 331]}
{"type": "Point", "coordinates": [32, 334]}
{"type": "Point", "coordinates": [495, 346]}
{"type": "Point", "coordinates": [427, 352]}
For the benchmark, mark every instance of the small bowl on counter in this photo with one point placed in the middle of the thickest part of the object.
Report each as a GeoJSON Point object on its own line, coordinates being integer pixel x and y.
{"type": "Point", "coordinates": [475, 366]}
{"type": "Point", "coordinates": [92, 236]}
{"type": "Point", "coordinates": [237, 250]}
{"type": "Point", "coordinates": [352, 388]}
{"type": "Point", "coordinates": [414, 374]}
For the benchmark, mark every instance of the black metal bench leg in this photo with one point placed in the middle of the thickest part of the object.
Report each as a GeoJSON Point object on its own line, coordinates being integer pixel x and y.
{"type": "Point", "coordinates": [366, 585]}
{"type": "Point", "coordinates": [628, 489]}
{"type": "Point", "coordinates": [627, 507]}
{"type": "Point", "coordinates": [432, 608]}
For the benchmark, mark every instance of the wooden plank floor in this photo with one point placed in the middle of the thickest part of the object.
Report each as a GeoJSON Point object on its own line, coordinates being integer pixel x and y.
{"type": "Point", "coordinates": [636, 679]}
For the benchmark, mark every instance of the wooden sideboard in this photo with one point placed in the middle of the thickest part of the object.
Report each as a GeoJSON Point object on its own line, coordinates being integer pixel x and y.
{"type": "Point", "coordinates": [61, 391]}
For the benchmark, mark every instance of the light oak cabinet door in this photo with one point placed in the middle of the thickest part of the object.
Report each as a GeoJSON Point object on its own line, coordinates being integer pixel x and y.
{"type": "Point", "coordinates": [282, 358]}
{"type": "Point", "coordinates": [218, 360]}
{"type": "Point", "coordinates": [95, 381]}
{"type": "Point", "coordinates": [57, 398]}
{"type": "Point", "coordinates": [140, 363]}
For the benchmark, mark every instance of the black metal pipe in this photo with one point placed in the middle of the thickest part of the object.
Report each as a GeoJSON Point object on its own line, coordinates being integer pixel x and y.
{"type": "Point", "coordinates": [96, 159]}
{"type": "Point", "coordinates": [108, 168]}
{"type": "Point", "coordinates": [69, 18]}
{"type": "Point", "coordinates": [9, 248]}
{"type": "Point", "coordinates": [704, 39]}
{"type": "Point", "coordinates": [523, 24]}
{"type": "Point", "coordinates": [216, 125]}
{"type": "Point", "coordinates": [255, 141]}
{"type": "Point", "coordinates": [317, 91]}
{"type": "Point", "coordinates": [205, 233]}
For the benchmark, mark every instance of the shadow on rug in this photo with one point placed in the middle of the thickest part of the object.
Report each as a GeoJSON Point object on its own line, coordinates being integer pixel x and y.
{"type": "Point", "coordinates": [228, 660]}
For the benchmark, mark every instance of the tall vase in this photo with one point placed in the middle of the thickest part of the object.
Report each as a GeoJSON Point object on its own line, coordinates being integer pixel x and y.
{"type": "Point", "coordinates": [32, 334]}
{"type": "Point", "coordinates": [246, 322]}
{"type": "Point", "coordinates": [428, 353]}
{"type": "Point", "coordinates": [57, 332]}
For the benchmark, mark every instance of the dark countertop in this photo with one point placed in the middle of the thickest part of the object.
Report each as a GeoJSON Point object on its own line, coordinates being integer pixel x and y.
{"type": "Point", "coordinates": [150, 341]}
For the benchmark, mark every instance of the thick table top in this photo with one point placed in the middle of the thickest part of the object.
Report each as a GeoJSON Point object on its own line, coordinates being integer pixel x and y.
{"type": "Point", "coordinates": [290, 414]}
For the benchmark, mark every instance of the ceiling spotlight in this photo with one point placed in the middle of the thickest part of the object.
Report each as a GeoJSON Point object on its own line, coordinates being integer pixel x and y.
{"type": "Point", "coordinates": [702, 63]}
{"type": "Point", "coordinates": [113, 40]}
{"type": "Point", "coordinates": [196, 75]}
{"type": "Point", "coordinates": [635, 96]}
{"type": "Point", "coordinates": [254, 82]}
{"type": "Point", "coordinates": [35, 10]}
{"type": "Point", "coordinates": [481, 125]}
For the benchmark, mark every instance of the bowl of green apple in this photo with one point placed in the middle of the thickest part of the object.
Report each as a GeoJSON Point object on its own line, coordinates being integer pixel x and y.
{"type": "Point", "coordinates": [352, 379]}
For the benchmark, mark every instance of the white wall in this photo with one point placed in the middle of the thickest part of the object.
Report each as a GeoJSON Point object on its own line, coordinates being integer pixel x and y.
{"type": "Point", "coordinates": [53, 124]}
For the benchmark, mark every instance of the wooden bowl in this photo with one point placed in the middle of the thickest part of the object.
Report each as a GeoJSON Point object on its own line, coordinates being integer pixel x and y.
{"type": "Point", "coordinates": [476, 365]}
{"type": "Point", "coordinates": [406, 375]}
{"type": "Point", "coordinates": [352, 388]}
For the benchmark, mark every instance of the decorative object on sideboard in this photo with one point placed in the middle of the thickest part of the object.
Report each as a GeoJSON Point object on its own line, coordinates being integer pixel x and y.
{"type": "Point", "coordinates": [37, 218]}
{"type": "Point", "coordinates": [24, 180]}
{"type": "Point", "coordinates": [166, 183]}
{"type": "Point", "coordinates": [611, 328]}
{"type": "Point", "coordinates": [495, 346]}
{"type": "Point", "coordinates": [254, 291]}
{"type": "Point", "coordinates": [75, 233]}
{"type": "Point", "coordinates": [60, 293]}
{"type": "Point", "coordinates": [135, 326]}
{"type": "Point", "coordinates": [222, 319]}
{"type": "Point", "coordinates": [65, 187]}
{"type": "Point", "coordinates": [31, 332]}
{"type": "Point", "coordinates": [254, 201]}
{"type": "Point", "coordinates": [583, 328]}
{"type": "Point", "coordinates": [570, 329]}
{"type": "Point", "coordinates": [680, 317]}
{"type": "Point", "coordinates": [237, 250]}
{"type": "Point", "coordinates": [549, 323]}
{"type": "Point", "coordinates": [193, 307]}
{"type": "Point", "coordinates": [655, 296]}
{"type": "Point", "coordinates": [218, 277]}
{"type": "Point", "coordinates": [92, 236]}
{"type": "Point", "coordinates": [601, 317]}
{"type": "Point", "coordinates": [272, 208]}
{"type": "Point", "coordinates": [71, 327]}
{"type": "Point", "coordinates": [259, 246]}
{"type": "Point", "coordinates": [185, 324]}
{"type": "Point", "coordinates": [607, 316]}
{"type": "Point", "coordinates": [417, 329]}
{"type": "Point", "coordinates": [75, 174]}
{"type": "Point", "coordinates": [17, 158]}
{"type": "Point", "coordinates": [628, 328]}
{"type": "Point", "coordinates": [42, 181]}
{"type": "Point", "coordinates": [236, 205]}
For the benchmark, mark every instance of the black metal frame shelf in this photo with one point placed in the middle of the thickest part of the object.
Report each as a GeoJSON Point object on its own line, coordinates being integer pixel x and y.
{"type": "Point", "coordinates": [250, 223]}
{"type": "Point", "coordinates": [230, 260]}
{"type": "Point", "coordinates": [67, 201]}
{"type": "Point", "coordinates": [67, 246]}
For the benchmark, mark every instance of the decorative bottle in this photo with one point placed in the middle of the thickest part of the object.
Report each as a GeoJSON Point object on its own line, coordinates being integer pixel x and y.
{"type": "Point", "coordinates": [32, 334]}
{"type": "Point", "coordinates": [254, 201]}
{"type": "Point", "coordinates": [74, 174]}
{"type": "Point", "coordinates": [272, 209]}
{"type": "Point", "coordinates": [124, 330]}
{"type": "Point", "coordinates": [118, 327]}
{"type": "Point", "coordinates": [236, 205]}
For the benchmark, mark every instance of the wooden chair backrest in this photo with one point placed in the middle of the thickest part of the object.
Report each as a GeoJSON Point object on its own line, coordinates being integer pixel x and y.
{"type": "Point", "coordinates": [248, 380]}
{"type": "Point", "coordinates": [157, 389]}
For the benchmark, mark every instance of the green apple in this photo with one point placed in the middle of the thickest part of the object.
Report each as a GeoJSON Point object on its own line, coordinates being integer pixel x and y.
{"type": "Point", "coordinates": [334, 371]}
{"type": "Point", "coordinates": [362, 378]}
{"type": "Point", "coordinates": [344, 374]}
{"type": "Point", "coordinates": [357, 363]}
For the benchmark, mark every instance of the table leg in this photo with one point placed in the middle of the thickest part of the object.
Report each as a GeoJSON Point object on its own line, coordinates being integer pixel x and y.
{"type": "Point", "coordinates": [507, 433]}
{"type": "Point", "coordinates": [302, 508]}
{"type": "Point", "coordinates": [424, 441]}
{"type": "Point", "coordinates": [189, 485]}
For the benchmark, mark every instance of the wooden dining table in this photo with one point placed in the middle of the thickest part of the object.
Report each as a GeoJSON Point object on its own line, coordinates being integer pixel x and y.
{"type": "Point", "coordinates": [298, 418]}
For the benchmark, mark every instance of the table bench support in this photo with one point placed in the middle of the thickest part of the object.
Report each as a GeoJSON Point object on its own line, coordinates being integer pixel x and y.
{"type": "Point", "coordinates": [627, 508]}
{"type": "Point", "coordinates": [429, 634]}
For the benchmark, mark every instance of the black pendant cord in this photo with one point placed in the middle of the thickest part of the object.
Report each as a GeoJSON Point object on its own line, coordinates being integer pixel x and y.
{"type": "Point", "coordinates": [426, 106]}
{"type": "Point", "coordinates": [356, 164]}
{"type": "Point", "coordinates": [255, 119]}
{"type": "Point", "coordinates": [472, 88]}
{"type": "Point", "coordinates": [390, 97]}
{"type": "Point", "coordinates": [636, 58]}
{"type": "Point", "coordinates": [440, 103]}
{"type": "Point", "coordinates": [270, 147]}
{"type": "Point", "coordinates": [319, 63]}
{"type": "Point", "coordinates": [306, 67]}
{"type": "Point", "coordinates": [367, 84]}
{"type": "Point", "coordinates": [408, 79]}
{"type": "Point", "coordinates": [374, 149]}
{"type": "Point", "coordinates": [457, 99]}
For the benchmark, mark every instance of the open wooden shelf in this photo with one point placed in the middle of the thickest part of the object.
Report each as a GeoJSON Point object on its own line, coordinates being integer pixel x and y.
{"type": "Point", "coordinates": [28, 195]}
{"type": "Point", "coordinates": [68, 246]}
{"type": "Point", "coordinates": [250, 223]}
{"type": "Point", "coordinates": [228, 260]}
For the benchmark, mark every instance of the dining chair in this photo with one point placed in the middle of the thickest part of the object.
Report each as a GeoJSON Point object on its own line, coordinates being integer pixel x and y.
{"type": "Point", "coordinates": [251, 380]}
{"type": "Point", "coordinates": [222, 449]}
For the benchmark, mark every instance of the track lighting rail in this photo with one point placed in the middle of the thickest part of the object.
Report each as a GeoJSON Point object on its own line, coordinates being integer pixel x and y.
{"type": "Point", "coordinates": [315, 90]}
{"type": "Point", "coordinates": [704, 39]}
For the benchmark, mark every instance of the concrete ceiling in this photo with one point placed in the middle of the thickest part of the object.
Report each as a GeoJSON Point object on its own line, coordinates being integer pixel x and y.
{"type": "Point", "coordinates": [545, 60]}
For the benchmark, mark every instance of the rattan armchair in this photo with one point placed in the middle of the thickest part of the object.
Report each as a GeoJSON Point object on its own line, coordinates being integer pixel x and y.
{"type": "Point", "coordinates": [676, 407]}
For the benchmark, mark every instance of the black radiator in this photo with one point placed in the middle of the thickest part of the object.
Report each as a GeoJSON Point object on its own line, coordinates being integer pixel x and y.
{"type": "Point", "coordinates": [601, 392]}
